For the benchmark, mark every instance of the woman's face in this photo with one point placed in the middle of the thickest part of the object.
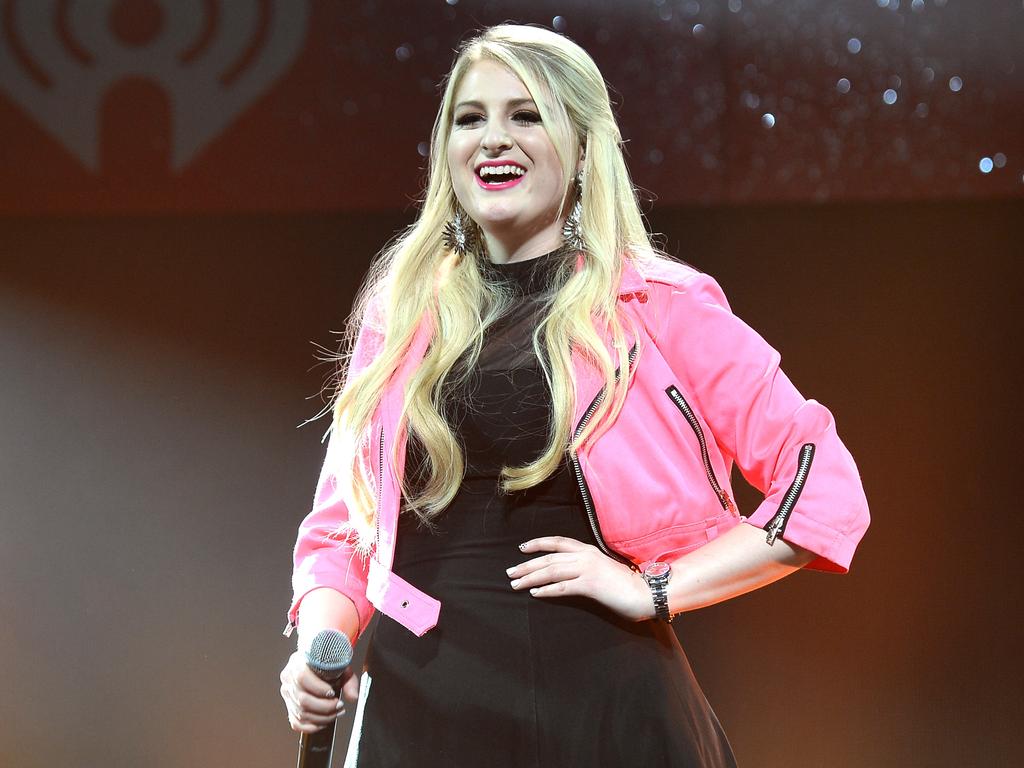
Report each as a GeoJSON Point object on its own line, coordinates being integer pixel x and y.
{"type": "Point", "coordinates": [505, 170]}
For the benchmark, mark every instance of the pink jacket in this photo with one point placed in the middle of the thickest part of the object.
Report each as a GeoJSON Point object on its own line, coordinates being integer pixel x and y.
{"type": "Point", "coordinates": [707, 391]}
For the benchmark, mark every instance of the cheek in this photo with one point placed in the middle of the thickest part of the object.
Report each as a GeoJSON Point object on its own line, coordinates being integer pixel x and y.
{"type": "Point", "coordinates": [459, 150]}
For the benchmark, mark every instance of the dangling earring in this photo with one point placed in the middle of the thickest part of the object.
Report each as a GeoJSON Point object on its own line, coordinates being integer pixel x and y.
{"type": "Point", "coordinates": [571, 230]}
{"type": "Point", "coordinates": [459, 233]}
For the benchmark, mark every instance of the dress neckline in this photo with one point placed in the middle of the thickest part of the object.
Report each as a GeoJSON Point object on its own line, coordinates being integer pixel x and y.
{"type": "Point", "coordinates": [527, 276]}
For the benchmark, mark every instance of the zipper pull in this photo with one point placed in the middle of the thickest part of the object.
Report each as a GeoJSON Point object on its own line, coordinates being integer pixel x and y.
{"type": "Point", "coordinates": [726, 501]}
{"type": "Point", "coordinates": [774, 528]}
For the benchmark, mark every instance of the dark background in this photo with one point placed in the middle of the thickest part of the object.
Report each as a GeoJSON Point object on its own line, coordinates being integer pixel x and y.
{"type": "Point", "coordinates": [156, 357]}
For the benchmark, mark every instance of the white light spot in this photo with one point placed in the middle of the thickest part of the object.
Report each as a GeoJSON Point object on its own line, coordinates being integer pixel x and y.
{"type": "Point", "coordinates": [735, 6]}
{"type": "Point", "coordinates": [917, 5]}
{"type": "Point", "coordinates": [558, 23]}
{"type": "Point", "coordinates": [928, 73]}
{"type": "Point", "coordinates": [423, 147]}
{"type": "Point", "coordinates": [843, 85]}
{"type": "Point", "coordinates": [955, 84]}
{"type": "Point", "coordinates": [452, 2]}
{"type": "Point", "coordinates": [403, 53]}
{"type": "Point", "coordinates": [768, 120]}
{"type": "Point", "coordinates": [882, 3]}
{"type": "Point", "coordinates": [985, 165]}
{"type": "Point", "coordinates": [853, 45]}
{"type": "Point", "coordinates": [890, 96]}
{"type": "Point", "coordinates": [999, 159]}
{"type": "Point", "coordinates": [692, 8]}
{"type": "Point", "coordinates": [698, 30]}
{"type": "Point", "coordinates": [751, 100]}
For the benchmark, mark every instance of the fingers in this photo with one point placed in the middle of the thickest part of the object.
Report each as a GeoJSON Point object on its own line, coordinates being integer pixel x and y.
{"type": "Point", "coordinates": [546, 573]}
{"type": "Point", "coordinates": [311, 702]}
{"type": "Point", "coordinates": [350, 687]}
{"type": "Point", "coordinates": [553, 544]}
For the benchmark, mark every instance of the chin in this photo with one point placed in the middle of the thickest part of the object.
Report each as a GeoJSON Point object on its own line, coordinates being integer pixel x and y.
{"type": "Point", "coordinates": [498, 219]}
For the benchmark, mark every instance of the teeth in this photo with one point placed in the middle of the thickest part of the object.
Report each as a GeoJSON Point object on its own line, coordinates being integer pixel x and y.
{"type": "Point", "coordinates": [494, 170]}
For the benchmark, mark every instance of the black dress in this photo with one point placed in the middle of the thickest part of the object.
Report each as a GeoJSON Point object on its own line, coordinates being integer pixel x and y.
{"type": "Point", "coordinates": [506, 679]}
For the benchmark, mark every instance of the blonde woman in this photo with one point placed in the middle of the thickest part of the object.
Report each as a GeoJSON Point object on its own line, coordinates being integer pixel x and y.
{"type": "Point", "coordinates": [528, 469]}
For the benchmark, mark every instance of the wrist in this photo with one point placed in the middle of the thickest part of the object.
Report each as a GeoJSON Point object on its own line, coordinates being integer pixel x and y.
{"type": "Point", "coordinates": [657, 574]}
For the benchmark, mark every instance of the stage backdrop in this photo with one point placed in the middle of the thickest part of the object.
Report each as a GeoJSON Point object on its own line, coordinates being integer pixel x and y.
{"type": "Point", "coordinates": [190, 193]}
{"type": "Point", "coordinates": [118, 106]}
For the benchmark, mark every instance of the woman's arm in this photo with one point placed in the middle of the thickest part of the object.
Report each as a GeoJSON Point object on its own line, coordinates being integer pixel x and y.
{"type": "Point", "coordinates": [736, 562]}
{"type": "Point", "coordinates": [326, 608]}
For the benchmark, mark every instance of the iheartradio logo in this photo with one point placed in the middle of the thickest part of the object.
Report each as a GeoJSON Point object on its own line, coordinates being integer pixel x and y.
{"type": "Point", "coordinates": [212, 58]}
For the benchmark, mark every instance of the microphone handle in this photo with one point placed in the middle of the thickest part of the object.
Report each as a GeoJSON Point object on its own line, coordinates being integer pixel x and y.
{"type": "Point", "coordinates": [317, 749]}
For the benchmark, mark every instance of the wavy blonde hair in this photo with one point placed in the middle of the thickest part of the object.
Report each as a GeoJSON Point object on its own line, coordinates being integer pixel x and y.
{"type": "Point", "coordinates": [416, 278]}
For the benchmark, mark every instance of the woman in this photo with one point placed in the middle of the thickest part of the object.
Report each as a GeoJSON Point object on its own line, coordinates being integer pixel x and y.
{"type": "Point", "coordinates": [528, 470]}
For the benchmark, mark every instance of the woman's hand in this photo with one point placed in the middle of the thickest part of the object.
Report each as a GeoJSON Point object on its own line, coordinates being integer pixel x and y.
{"type": "Point", "coordinates": [575, 568]}
{"type": "Point", "coordinates": [311, 702]}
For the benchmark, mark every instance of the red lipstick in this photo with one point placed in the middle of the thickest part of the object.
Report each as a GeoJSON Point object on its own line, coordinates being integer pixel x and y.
{"type": "Point", "coordinates": [497, 164]}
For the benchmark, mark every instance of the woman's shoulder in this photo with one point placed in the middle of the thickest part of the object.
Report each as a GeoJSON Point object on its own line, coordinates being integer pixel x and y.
{"type": "Point", "coordinates": [669, 277]}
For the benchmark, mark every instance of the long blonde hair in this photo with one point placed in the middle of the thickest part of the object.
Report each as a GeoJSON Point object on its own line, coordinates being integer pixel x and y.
{"type": "Point", "coordinates": [576, 112]}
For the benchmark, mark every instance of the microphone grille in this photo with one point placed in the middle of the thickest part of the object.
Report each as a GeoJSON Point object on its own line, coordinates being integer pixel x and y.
{"type": "Point", "coordinates": [329, 653]}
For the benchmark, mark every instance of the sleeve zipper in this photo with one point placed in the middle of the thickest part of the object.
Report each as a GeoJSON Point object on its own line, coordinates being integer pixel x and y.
{"type": "Point", "coordinates": [777, 524]}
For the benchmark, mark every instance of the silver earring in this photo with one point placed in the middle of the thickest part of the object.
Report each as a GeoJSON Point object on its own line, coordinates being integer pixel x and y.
{"type": "Point", "coordinates": [572, 232]}
{"type": "Point", "coordinates": [459, 234]}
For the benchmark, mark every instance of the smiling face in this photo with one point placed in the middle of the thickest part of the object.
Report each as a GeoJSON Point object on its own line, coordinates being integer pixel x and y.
{"type": "Point", "coordinates": [504, 167]}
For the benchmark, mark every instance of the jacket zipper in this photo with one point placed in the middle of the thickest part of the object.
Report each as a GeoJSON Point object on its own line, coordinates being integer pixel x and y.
{"type": "Point", "coordinates": [777, 524]}
{"type": "Point", "coordinates": [691, 419]}
{"type": "Point", "coordinates": [380, 490]}
{"type": "Point", "coordinates": [588, 502]}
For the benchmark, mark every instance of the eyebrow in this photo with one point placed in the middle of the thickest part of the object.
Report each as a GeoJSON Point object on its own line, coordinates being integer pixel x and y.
{"type": "Point", "coordinates": [511, 103]}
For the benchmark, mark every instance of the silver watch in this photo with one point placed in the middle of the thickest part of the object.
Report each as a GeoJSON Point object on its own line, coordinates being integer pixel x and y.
{"type": "Point", "coordinates": [657, 575]}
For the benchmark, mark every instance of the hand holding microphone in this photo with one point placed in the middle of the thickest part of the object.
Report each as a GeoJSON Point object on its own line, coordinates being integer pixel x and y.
{"type": "Point", "coordinates": [311, 685]}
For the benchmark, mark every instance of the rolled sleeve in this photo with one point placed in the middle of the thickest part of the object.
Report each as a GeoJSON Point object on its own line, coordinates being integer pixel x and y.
{"type": "Point", "coordinates": [762, 422]}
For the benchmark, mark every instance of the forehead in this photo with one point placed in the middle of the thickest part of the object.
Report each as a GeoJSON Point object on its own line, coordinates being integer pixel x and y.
{"type": "Point", "coordinates": [489, 81]}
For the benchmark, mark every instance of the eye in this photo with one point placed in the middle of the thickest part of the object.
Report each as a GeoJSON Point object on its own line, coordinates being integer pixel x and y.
{"type": "Point", "coordinates": [527, 116]}
{"type": "Point", "coordinates": [467, 119]}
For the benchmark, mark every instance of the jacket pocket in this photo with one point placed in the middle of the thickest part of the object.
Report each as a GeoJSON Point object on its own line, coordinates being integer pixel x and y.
{"type": "Point", "coordinates": [691, 418]}
{"type": "Point", "coordinates": [777, 524]}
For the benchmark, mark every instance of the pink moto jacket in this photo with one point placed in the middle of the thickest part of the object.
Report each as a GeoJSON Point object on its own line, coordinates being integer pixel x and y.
{"type": "Point", "coordinates": [707, 391]}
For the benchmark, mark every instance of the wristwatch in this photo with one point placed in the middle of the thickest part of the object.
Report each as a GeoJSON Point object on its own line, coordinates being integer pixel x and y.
{"type": "Point", "coordinates": [657, 575]}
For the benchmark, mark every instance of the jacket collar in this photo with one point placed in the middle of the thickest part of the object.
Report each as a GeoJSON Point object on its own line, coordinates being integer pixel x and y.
{"type": "Point", "coordinates": [631, 280]}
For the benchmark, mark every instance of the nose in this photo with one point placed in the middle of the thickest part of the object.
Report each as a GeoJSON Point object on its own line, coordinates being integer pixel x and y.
{"type": "Point", "coordinates": [495, 138]}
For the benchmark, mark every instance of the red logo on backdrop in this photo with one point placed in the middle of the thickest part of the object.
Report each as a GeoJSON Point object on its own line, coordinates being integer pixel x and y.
{"type": "Point", "coordinates": [208, 61]}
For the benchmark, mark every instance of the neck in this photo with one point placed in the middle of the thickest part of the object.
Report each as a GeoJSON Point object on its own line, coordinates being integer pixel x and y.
{"type": "Point", "coordinates": [504, 247]}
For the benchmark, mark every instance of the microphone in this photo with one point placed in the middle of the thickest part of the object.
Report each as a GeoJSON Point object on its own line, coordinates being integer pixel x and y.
{"type": "Point", "coordinates": [328, 656]}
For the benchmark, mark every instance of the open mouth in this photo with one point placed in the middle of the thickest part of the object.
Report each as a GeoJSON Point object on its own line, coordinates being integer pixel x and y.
{"type": "Point", "coordinates": [499, 176]}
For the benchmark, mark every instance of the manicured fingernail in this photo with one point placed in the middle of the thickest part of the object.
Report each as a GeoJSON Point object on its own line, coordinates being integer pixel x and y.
{"type": "Point", "coordinates": [534, 591]}
{"type": "Point", "coordinates": [510, 570]}
{"type": "Point", "coordinates": [341, 706]}
{"type": "Point", "coordinates": [515, 583]}
{"type": "Point", "coordinates": [522, 547]}
{"type": "Point", "coordinates": [330, 693]}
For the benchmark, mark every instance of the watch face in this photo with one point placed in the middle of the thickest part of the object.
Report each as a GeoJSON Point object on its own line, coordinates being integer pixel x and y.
{"type": "Point", "coordinates": [656, 570]}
